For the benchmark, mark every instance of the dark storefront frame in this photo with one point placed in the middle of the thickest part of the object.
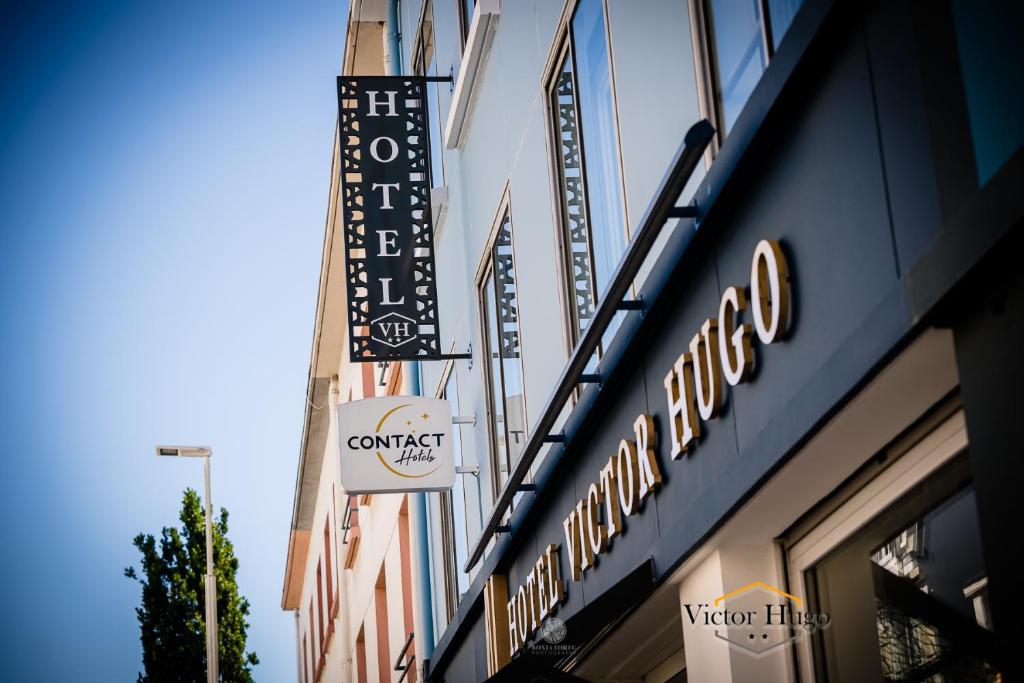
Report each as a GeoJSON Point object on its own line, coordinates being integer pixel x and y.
{"type": "Point", "coordinates": [839, 61]}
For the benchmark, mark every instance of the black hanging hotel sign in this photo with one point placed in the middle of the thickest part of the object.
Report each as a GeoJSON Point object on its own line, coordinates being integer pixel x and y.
{"type": "Point", "coordinates": [389, 247]}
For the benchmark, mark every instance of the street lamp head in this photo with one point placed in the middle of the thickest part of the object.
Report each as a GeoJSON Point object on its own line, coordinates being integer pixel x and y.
{"type": "Point", "coordinates": [184, 451]}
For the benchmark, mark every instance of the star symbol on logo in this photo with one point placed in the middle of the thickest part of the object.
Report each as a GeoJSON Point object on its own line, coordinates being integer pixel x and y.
{"type": "Point", "coordinates": [425, 416]}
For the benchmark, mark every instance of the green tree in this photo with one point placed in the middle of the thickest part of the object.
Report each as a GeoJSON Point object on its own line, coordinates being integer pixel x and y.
{"type": "Point", "coordinates": [172, 616]}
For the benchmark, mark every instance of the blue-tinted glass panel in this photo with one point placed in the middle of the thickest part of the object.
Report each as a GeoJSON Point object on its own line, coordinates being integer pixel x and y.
{"type": "Point", "coordinates": [739, 52]}
{"type": "Point", "coordinates": [600, 144]}
{"type": "Point", "coordinates": [509, 348]}
{"type": "Point", "coordinates": [988, 36]}
{"type": "Point", "coordinates": [458, 494]}
{"type": "Point", "coordinates": [781, 13]}
{"type": "Point", "coordinates": [573, 204]}
{"type": "Point", "coordinates": [427, 66]}
{"type": "Point", "coordinates": [500, 459]}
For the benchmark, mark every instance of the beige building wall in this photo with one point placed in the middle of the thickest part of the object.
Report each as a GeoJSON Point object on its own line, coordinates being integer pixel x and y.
{"type": "Point", "coordinates": [363, 544]}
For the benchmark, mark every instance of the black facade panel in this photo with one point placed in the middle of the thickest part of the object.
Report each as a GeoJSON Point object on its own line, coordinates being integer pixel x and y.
{"type": "Point", "coordinates": [641, 528]}
{"type": "Point", "coordinates": [988, 339]}
{"type": "Point", "coordinates": [906, 138]}
{"type": "Point", "coordinates": [691, 477]}
{"type": "Point", "coordinates": [818, 188]}
{"type": "Point", "coordinates": [843, 172]}
{"type": "Point", "coordinates": [546, 527]}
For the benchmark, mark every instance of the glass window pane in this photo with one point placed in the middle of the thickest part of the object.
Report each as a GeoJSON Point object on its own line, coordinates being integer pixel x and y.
{"type": "Point", "coordinates": [427, 66]}
{"type": "Point", "coordinates": [739, 51]}
{"type": "Point", "coordinates": [907, 594]}
{"type": "Point", "coordinates": [467, 15]}
{"type": "Point", "coordinates": [930, 592]}
{"type": "Point", "coordinates": [781, 13]}
{"type": "Point", "coordinates": [988, 37]}
{"type": "Point", "coordinates": [509, 347]}
{"type": "Point", "coordinates": [500, 461]}
{"type": "Point", "coordinates": [458, 494]}
{"type": "Point", "coordinates": [574, 213]}
{"type": "Point", "coordinates": [600, 142]}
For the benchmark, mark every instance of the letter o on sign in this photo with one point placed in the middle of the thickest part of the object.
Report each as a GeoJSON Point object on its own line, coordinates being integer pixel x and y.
{"type": "Point", "coordinates": [375, 149]}
{"type": "Point", "coordinates": [769, 291]}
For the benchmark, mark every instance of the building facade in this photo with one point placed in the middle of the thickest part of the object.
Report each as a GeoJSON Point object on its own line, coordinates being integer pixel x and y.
{"type": "Point", "coordinates": [739, 285]}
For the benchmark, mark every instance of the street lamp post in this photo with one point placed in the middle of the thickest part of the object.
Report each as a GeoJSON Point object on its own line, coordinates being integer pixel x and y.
{"type": "Point", "coordinates": [212, 664]}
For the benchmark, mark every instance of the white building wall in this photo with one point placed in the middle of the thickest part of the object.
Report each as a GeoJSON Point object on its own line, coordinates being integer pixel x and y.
{"type": "Point", "coordinates": [508, 148]}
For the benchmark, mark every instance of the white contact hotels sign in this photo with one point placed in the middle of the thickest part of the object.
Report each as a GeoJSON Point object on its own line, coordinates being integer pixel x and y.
{"type": "Point", "coordinates": [396, 444]}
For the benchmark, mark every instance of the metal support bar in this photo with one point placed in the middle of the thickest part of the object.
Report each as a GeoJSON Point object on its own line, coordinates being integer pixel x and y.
{"type": "Point", "coordinates": [527, 487]}
{"type": "Point", "coordinates": [399, 666]}
{"type": "Point", "coordinates": [346, 520]}
{"type": "Point", "coordinates": [463, 419]}
{"type": "Point", "coordinates": [554, 438]}
{"type": "Point", "coordinates": [415, 359]}
{"type": "Point", "coordinates": [401, 655]}
{"type": "Point", "coordinates": [503, 529]}
{"type": "Point", "coordinates": [468, 469]}
{"type": "Point", "coordinates": [683, 212]}
{"type": "Point", "coordinates": [437, 79]}
{"type": "Point", "coordinates": [589, 378]}
{"type": "Point", "coordinates": [631, 305]}
{"type": "Point", "coordinates": [663, 207]}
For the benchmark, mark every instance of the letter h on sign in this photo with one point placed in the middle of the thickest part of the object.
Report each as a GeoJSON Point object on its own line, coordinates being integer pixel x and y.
{"type": "Point", "coordinates": [389, 237]}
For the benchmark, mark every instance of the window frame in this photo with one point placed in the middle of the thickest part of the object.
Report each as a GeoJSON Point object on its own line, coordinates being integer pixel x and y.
{"type": "Point", "coordinates": [447, 509]}
{"type": "Point", "coordinates": [485, 270]}
{"type": "Point", "coordinates": [465, 20]}
{"type": "Point", "coordinates": [563, 48]}
{"type": "Point", "coordinates": [808, 546]}
{"type": "Point", "coordinates": [705, 61]}
{"type": "Point", "coordinates": [419, 68]}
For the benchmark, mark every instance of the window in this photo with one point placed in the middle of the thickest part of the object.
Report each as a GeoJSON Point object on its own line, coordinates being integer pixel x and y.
{"type": "Point", "coordinates": [500, 314]}
{"type": "Point", "coordinates": [589, 168]}
{"type": "Point", "coordinates": [907, 593]}
{"type": "Point", "coordinates": [736, 40]}
{"type": "Point", "coordinates": [425, 64]}
{"type": "Point", "coordinates": [466, 8]}
{"type": "Point", "coordinates": [456, 507]}
{"type": "Point", "coordinates": [990, 52]}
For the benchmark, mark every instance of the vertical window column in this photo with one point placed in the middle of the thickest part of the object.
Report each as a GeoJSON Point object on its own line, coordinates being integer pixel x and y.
{"type": "Point", "coordinates": [425, 64]}
{"type": "Point", "coordinates": [589, 164]}
{"type": "Point", "coordinates": [505, 369]}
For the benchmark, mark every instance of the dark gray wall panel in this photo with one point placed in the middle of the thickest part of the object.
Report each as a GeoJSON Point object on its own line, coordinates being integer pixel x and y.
{"type": "Point", "coordinates": [628, 548]}
{"type": "Point", "coordinates": [688, 478]}
{"type": "Point", "coordinates": [903, 130]}
{"type": "Point", "coordinates": [820, 191]}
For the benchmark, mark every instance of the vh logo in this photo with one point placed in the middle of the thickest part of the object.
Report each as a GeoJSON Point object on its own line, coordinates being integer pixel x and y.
{"type": "Point", "coordinates": [393, 329]}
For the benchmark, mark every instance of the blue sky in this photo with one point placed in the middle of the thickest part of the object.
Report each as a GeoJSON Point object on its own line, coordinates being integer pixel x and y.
{"type": "Point", "coordinates": [164, 170]}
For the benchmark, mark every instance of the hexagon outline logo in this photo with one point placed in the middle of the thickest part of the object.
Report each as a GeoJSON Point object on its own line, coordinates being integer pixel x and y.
{"type": "Point", "coordinates": [393, 329]}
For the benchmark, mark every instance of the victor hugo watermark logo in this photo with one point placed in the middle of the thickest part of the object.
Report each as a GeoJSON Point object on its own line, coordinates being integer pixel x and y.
{"type": "Point", "coordinates": [757, 619]}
